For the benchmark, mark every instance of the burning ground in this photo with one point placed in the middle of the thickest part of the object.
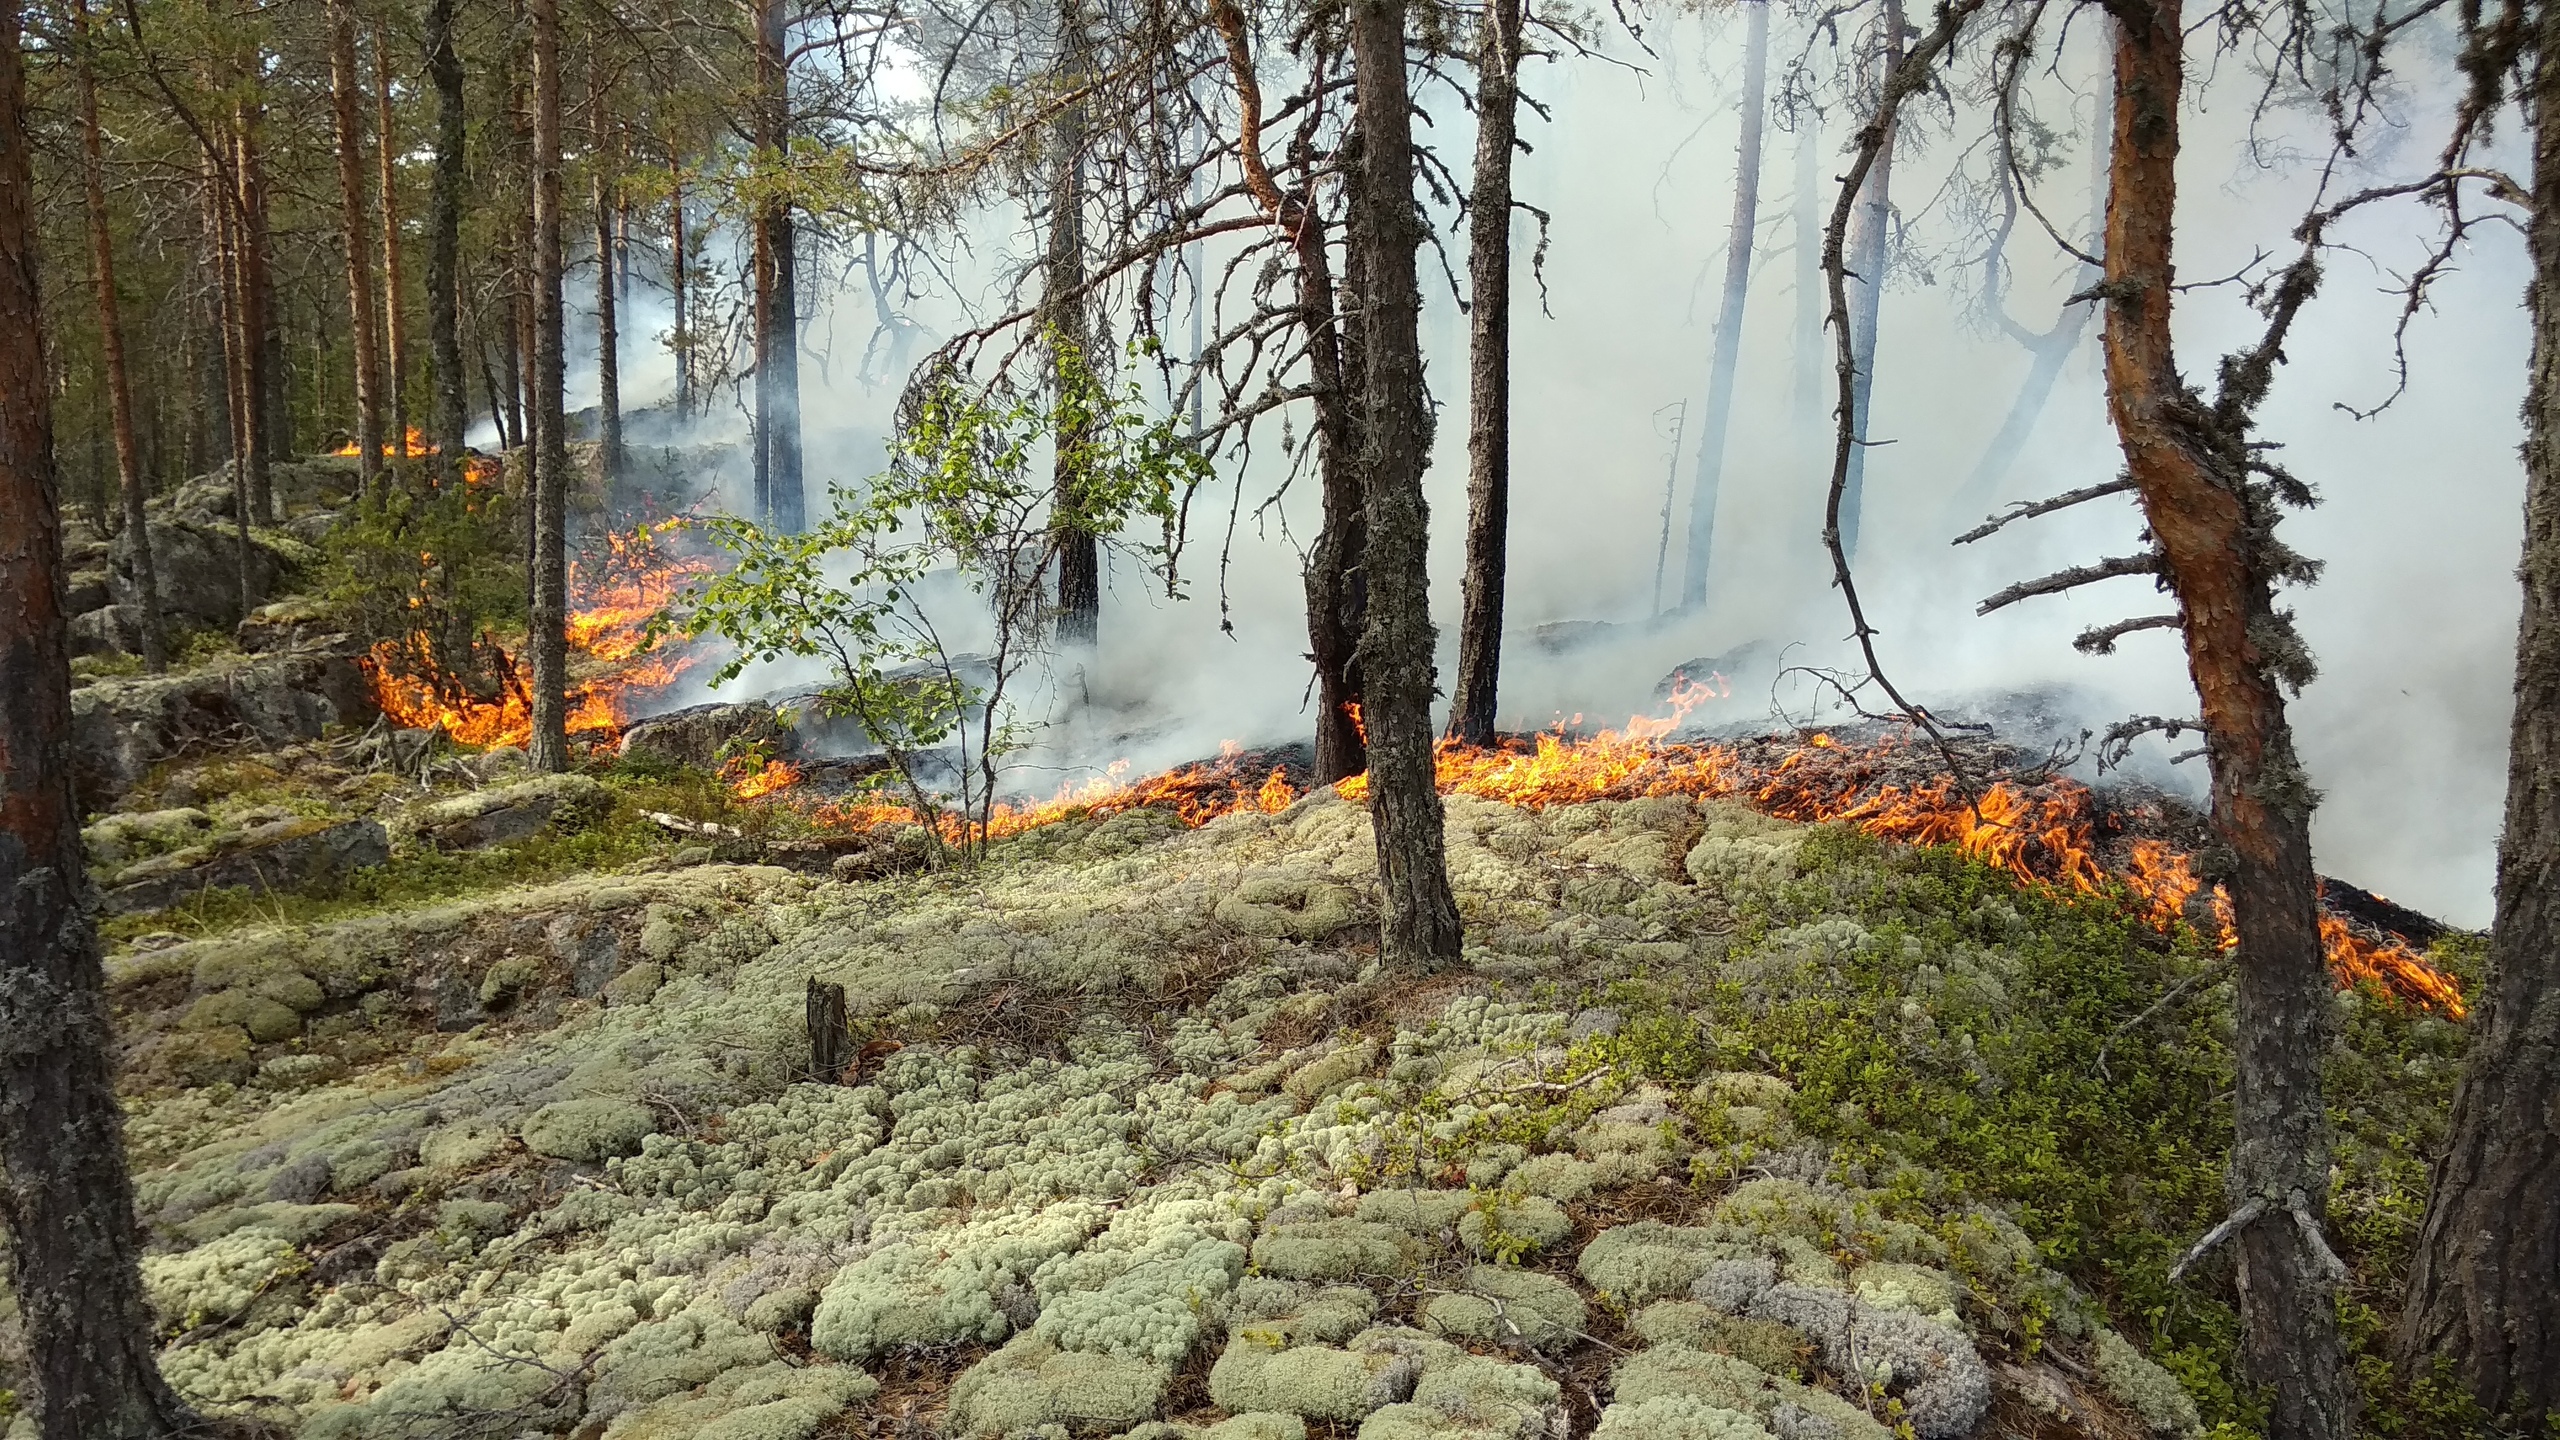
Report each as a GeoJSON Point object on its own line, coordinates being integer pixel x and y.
{"type": "Point", "coordinates": [1790, 1089]}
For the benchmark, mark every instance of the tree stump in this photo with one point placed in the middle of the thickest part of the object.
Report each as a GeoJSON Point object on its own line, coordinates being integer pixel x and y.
{"type": "Point", "coordinates": [830, 1035]}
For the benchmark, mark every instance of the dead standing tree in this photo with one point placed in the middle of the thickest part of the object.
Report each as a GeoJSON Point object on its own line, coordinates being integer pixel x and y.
{"type": "Point", "coordinates": [1475, 698]}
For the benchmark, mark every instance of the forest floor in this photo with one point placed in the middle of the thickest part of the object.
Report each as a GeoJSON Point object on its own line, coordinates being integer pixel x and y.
{"type": "Point", "coordinates": [495, 1120]}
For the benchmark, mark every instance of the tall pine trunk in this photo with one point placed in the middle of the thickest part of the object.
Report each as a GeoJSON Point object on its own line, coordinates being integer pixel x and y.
{"type": "Point", "coordinates": [395, 335]}
{"type": "Point", "coordinates": [1737, 289]}
{"type": "Point", "coordinates": [259, 359]}
{"type": "Point", "coordinates": [678, 281]}
{"type": "Point", "coordinates": [354, 237]}
{"type": "Point", "coordinates": [549, 749]}
{"type": "Point", "coordinates": [1806, 227]}
{"type": "Point", "coordinates": [102, 263]}
{"type": "Point", "coordinates": [75, 1251]}
{"type": "Point", "coordinates": [1421, 930]}
{"type": "Point", "coordinates": [2219, 557]}
{"type": "Point", "coordinates": [444, 247]}
{"type": "Point", "coordinates": [608, 327]}
{"type": "Point", "coordinates": [1062, 287]}
{"type": "Point", "coordinates": [1870, 252]}
{"type": "Point", "coordinates": [777, 308]}
{"type": "Point", "coordinates": [2479, 1297]}
{"type": "Point", "coordinates": [1473, 703]}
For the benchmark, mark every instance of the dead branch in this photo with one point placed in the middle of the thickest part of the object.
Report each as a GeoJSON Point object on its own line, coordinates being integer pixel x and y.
{"type": "Point", "coordinates": [2101, 639]}
{"type": "Point", "coordinates": [2117, 743]}
{"type": "Point", "coordinates": [2028, 510]}
{"type": "Point", "coordinates": [2114, 567]}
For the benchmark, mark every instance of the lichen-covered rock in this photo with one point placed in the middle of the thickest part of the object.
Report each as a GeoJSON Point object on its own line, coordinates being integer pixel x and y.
{"type": "Point", "coordinates": [1031, 1383]}
{"type": "Point", "coordinates": [505, 813]}
{"type": "Point", "coordinates": [1333, 1250]}
{"type": "Point", "coordinates": [2146, 1389]}
{"type": "Point", "coordinates": [1508, 1230]}
{"type": "Point", "coordinates": [1498, 1306]}
{"type": "Point", "coordinates": [1677, 1417]}
{"type": "Point", "coordinates": [1945, 1387]}
{"type": "Point", "coordinates": [1648, 1260]}
{"type": "Point", "coordinates": [281, 854]}
{"type": "Point", "coordinates": [1288, 907]}
{"type": "Point", "coordinates": [1258, 1370]}
{"type": "Point", "coordinates": [588, 1130]}
{"type": "Point", "coordinates": [463, 1145]}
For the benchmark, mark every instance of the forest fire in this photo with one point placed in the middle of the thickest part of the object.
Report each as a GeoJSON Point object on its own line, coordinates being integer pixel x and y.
{"type": "Point", "coordinates": [617, 596]}
{"type": "Point", "coordinates": [2044, 832]}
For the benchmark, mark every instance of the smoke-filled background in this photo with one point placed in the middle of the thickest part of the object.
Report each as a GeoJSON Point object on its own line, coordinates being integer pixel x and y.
{"type": "Point", "coordinates": [2413, 623]}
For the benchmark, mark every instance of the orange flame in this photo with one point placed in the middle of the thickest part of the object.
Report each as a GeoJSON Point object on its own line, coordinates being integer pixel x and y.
{"type": "Point", "coordinates": [635, 579]}
{"type": "Point", "coordinates": [2043, 834]}
{"type": "Point", "coordinates": [417, 445]}
{"type": "Point", "coordinates": [762, 779]}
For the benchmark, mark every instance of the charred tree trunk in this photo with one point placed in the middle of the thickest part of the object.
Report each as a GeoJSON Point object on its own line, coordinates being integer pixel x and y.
{"type": "Point", "coordinates": [1472, 705]}
{"type": "Point", "coordinates": [102, 261]}
{"type": "Point", "coordinates": [444, 247]}
{"type": "Point", "coordinates": [395, 337]}
{"type": "Point", "coordinates": [608, 327]}
{"type": "Point", "coordinates": [75, 1256]}
{"type": "Point", "coordinates": [1062, 281]}
{"type": "Point", "coordinates": [777, 310]}
{"type": "Point", "coordinates": [1870, 252]}
{"type": "Point", "coordinates": [2479, 1298]}
{"type": "Point", "coordinates": [1421, 930]}
{"type": "Point", "coordinates": [1737, 290]}
{"type": "Point", "coordinates": [352, 233]}
{"type": "Point", "coordinates": [549, 748]}
{"type": "Point", "coordinates": [2220, 558]}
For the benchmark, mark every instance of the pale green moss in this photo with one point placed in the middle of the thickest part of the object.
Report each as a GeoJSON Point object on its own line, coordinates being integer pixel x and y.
{"type": "Point", "coordinates": [1648, 1260]}
{"type": "Point", "coordinates": [1319, 1382]}
{"type": "Point", "coordinates": [1031, 1382]}
{"type": "Point", "coordinates": [1498, 1306]}
{"type": "Point", "coordinates": [588, 1130]}
{"type": "Point", "coordinates": [1333, 1250]}
{"type": "Point", "coordinates": [1508, 1230]}
{"type": "Point", "coordinates": [2146, 1389]}
{"type": "Point", "coordinates": [1677, 1417]}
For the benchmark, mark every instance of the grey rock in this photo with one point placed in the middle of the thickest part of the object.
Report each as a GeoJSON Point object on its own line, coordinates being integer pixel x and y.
{"type": "Point", "coordinates": [196, 560]}
{"type": "Point", "coordinates": [695, 736]}
{"type": "Point", "coordinates": [107, 630]}
{"type": "Point", "coordinates": [505, 813]}
{"type": "Point", "coordinates": [88, 590]}
{"type": "Point", "coordinates": [122, 728]}
{"type": "Point", "coordinates": [280, 855]}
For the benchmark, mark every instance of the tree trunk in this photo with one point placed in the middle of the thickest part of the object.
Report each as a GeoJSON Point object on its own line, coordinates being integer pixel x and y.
{"type": "Point", "coordinates": [1062, 283]}
{"type": "Point", "coordinates": [1737, 289]}
{"type": "Point", "coordinates": [2479, 1297]}
{"type": "Point", "coordinates": [681, 338]}
{"type": "Point", "coordinates": [248, 460]}
{"type": "Point", "coordinates": [549, 749]}
{"type": "Point", "coordinates": [259, 360]}
{"type": "Point", "coordinates": [395, 339]}
{"type": "Point", "coordinates": [1869, 254]}
{"type": "Point", "coordinates": [102, 260]}
{"type": "Point", "coordinates": [444, 247]}
{"type": "Point", "coordinates": [265, 317]}
{"type": "Point", "coordinates": [1472, 705]}
{"type": "Point", "coordinates": [1336, 576]}
{"type": "Point", "coordinates": [2215, 540]}
{"type": "Point", "coordinates": [608, 329]}
{"type": "Point", "coordinates": [777, 313]}
{"type": "Point", "coordinates": [75, 1254]}
{"type": "Point", "coordinates": [351, 230]}
{"type": "Point", "coordinates": [1421, 930]}
{"type": "Point", "coordinates": [1807, 229]}
{"type": "Point", "coordinates": [760, 271]}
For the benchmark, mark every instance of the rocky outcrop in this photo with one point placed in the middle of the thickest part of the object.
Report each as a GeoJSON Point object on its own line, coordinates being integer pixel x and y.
{"type": "Point", "coordinates": [196, 558]}
{"type": "Point", "coordinates": [279, 855]}
{"type": "Point", "coordinates": [506, 813]}
{"type": "Point", "coordinates": [696, 736]}
{"type": "Point", "coordinates": [122, 728]}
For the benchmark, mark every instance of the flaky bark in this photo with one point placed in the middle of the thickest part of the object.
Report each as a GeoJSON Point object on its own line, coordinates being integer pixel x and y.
{"type": "Point", "coordinates": [1062, 300]}
{"type": "Point", "coordinates": [1421, 924]}
{"type": "Point", "coordinates": [444, 247]}
{"type": "Point", "coordinates": [1870, 253]}
{"type": "Point", "coordinates": [1474, 700]}
{"type": "Point", "coordinates": [261, 347]}
{"type": "Point", "coordinates": [549, 748]}
{"type": "Point", "coordinates": [1737, 290]}
{"type": "Point", "coordinates": [395, 331]}
{"type": "Point", "coordinates": [778, 305]}
{"type": "Point", "coordinates": [2479, 1297]}
{"type": "Point", "coordinates": [2217, 548]}
{"type": "Point", "coordinates": [102, 269]}
{"type": "Point", "coordinates": [354, 237]}
{"type": "Point", "coordinates": [75, 1254]}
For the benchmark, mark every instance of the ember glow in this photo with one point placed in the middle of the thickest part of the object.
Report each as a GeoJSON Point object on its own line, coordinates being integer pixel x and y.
{"type": "Point", "coordinates": [616, 596]}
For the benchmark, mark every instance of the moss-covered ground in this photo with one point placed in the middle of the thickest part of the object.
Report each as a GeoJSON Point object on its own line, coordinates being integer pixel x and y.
{"type": "Point", "coordinates": [1725, 1127]}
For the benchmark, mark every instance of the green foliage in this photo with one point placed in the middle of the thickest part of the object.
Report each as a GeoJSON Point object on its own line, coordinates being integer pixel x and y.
{"type": "Point", "coordinates": [437, 572]}
{"type": "Point", "coordinates": [962, 493]}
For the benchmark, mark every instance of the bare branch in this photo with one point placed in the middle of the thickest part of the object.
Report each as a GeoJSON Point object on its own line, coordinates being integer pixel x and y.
{"type": "Point", "coordinates": [2078, 575]}
{"type": "Point", "coordinates": [2101, 639]}
{"type": "Point", "coordinates": [2028, 510]}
